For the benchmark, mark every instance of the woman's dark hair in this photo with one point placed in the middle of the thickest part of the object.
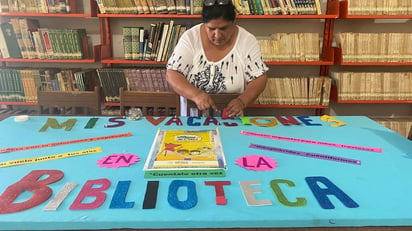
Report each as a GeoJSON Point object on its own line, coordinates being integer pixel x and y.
{"type": "Point", "coordinates": [215, 11]}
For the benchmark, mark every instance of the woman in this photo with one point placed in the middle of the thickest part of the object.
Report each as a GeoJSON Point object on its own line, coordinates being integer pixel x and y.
{"type": "Point", "coordinates": [217, 56]}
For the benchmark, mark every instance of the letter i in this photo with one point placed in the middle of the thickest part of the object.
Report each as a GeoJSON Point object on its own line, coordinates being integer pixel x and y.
{"type": "Point", "coordinates": [60, 197]}
{"type": "Point", "coordinates": [150, 197]}
{"type": "Point", "coordinates": [91, 123]}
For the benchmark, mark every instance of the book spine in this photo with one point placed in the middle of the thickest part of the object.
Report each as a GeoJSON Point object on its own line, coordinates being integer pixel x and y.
{"type": "Point", "coordinates": [142, 43]}
{"type": "Point", "coordinates": [11, 40]}
{"type": "Point", "coordinates": [127, 43]}
{"type": "Point", "coordinates": [135, 42]}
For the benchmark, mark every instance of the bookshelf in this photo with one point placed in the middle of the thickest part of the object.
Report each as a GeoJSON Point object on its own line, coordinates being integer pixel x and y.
{"type": "Point", "coordinates": [393, 100]}
{"type": "Point", "coordinates": [112, 53]}
{"type": "Point", "coordinates": [373, 65]}
{"type": "Point", "coordinates": [77, 14]}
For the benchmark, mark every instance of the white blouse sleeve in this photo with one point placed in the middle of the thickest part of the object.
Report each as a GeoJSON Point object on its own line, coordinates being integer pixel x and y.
{"type": "Point", "coordinates": [182, 57]}
{"type": "Point", "coordinates": [254, 64]}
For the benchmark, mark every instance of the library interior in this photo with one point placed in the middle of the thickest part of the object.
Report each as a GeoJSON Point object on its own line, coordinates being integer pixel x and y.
{"type": "Point", "coordinates": [338, 102]}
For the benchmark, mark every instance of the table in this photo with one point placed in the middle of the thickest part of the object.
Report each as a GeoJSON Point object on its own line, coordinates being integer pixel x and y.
{"type": "Point", "coordinates": [301, 193]}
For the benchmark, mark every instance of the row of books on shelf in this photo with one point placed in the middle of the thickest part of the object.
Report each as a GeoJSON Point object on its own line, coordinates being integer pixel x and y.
{"type": "Point", "coordinates": [296, 91]}
{"type": "Point", "coordinates": [22, 85]}
{"type": "Point", "coordinates": [276, 7]}
{"type": "Point", "coordinates": [379, 7]}
{"type": "Point", "coordinates": [189, 7]}
{"type": "Point", "coordinates": [301, 47]}
{"type": "Point", "coordinates": [150, 6]}
{"type": "Point", "coordinates": [133, 79]}
{"type": "Point", "coordinates": [375, 47]}
{"type": "Point", "coordinates": [156, 43]}
{"type": "Point", "coordinates": [24, 38]}
{"type": "Point", "coordinates": [373, 85]}
{"type": "Point", "coordinates": [38, 6]}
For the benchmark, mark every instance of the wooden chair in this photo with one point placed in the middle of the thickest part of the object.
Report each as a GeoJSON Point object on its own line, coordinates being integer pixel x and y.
{"type": "Point", "coordinates": [221, 101]}
{"type": "Point", "coordinates": [151, 103]}
{"type": "Point", "coordinates": [70, 102]}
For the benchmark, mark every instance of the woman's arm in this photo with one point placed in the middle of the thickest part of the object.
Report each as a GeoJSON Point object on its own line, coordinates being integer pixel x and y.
{"type": "Point", "coordinates": [182, 87]}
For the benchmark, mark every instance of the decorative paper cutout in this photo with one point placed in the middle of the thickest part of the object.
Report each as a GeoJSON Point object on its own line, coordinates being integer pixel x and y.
{"type": "Point", "coordinates": [314, 142]}
{"type": "Point", "coordinates": [306, 154]}
{"type": "Point", "coordinates": [90, 190]}
{"type": "Point", "coordinates": [119, 121]}
{"type": "Point", "coordinates": [3, 150]}
{"type": "Point", "coordinates": [154, 121]}
{"type": "Point", "coordinates": [119, 196]}
{"type": "Point", "coordinates": [118, 160]}
{"type": "Point", "coordinates": [328, 118]}
{"type": "Point", "coordinates": [92, 122]}
{"type": "Point", "coordinates": [50, 157]}
{"type": "Point", "coordinates": [249, 191]}
{"type": "Point", "coordinates": [36, 181]}
{"type": "Point", "coordinates": [274, 184]}
{"type": "Point", "coordinates": [150, 197]}
{"type": "Point", "coordinates": [325, 188]}
{"type": "Point", "coordinates": [257, 163]}
{"type": "Point", "coordinates": [51, 122]}
{"type": "Point", "coordinates": [271, 122]}
{"type": "Point", "coordinates": [60, 196]}
{"type": "Point", "coordinates": [191, 199]}
{"type": "Point", "coordinates": [220, 192]}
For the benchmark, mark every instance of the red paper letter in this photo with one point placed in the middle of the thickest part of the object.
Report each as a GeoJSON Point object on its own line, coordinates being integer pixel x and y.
{"type": "Point", "coordinates": [220, 192]}
{"type": "Point", "coordinates": [89, 191]}
{"type": "Point", "coordinates": [30, 183]}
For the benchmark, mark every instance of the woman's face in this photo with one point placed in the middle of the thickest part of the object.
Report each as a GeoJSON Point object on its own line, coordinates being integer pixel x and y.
{"type": "Point", "coordinates": [219, 31]}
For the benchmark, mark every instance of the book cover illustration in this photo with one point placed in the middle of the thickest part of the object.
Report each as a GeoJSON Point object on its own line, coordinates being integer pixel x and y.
{"type": "Point", "coordinates": [186, 149]}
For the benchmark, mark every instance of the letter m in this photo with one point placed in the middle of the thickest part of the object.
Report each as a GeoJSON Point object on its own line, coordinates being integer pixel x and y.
{"type": "Point", "coordinates": [68, 124]}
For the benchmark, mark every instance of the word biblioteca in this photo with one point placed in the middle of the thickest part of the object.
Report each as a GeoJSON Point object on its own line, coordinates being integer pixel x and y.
{"type": "Point", "coordinates": [200, 121]}
{"type": "Point", "coordinates": [37, 182]}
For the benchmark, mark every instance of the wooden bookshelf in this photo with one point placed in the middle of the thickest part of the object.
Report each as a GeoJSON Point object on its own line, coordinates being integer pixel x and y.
{"type": "Point", "coordinates": [366, 19]}
{"type": "Point", "coordinates": [326, 56]}
{"type": "Point", "coordinates": [343, 13]}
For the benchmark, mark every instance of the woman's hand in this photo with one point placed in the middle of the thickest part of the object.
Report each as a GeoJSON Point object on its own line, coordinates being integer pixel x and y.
{"type": "Point", "coordinates": [204, 101]}
{"type": "Point", "coordinates": [235, 107]}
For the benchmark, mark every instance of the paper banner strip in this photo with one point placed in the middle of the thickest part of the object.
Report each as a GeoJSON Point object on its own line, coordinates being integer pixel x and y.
{"type": "Point", "coordinates": [50, 157]}
{"type": "Point", "coordinates": [306, 154]}
{"type": "Point", "coordinates": [361, 148]}
{"type": "Point", "coordinates": [4, 150]}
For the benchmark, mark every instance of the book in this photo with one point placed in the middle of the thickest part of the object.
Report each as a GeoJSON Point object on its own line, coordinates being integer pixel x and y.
{"type": "Point", "coordinates": [152, 8]}
{"type": "Point", "coordinates": [10, 41]}
{"type": "Point", "coordinates": [127, 42]}
{"type": "Point", "coordinates": [142, 42]}
{"type": "Point", "coordinates": [150, 42]}
{"type": "Point", "coordinates": [197, 6]}
{"type": "Point", "coordinates": [4, 6]}
{"type": "Point", "coordinates": [26, 26]}
{"type": "Point", "coordinates": [160, 6]}
{"type": "Point", "coordinates": [180, 6]}
{"type": "Point", "coordinates": [135, 31]}
{"type": "Point", "coordinates": [16, 27]}
{"type": "Point", "coordinates": [139, 6]}
{"type": "Point", "coordinates": [197, 152]}
{"type": "Point", "coordinates": [162, 42]}
{"type": "Point", "coordinates": [171, 6]}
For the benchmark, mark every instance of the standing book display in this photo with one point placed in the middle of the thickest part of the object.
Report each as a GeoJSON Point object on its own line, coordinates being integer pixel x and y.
{"type": "Point", "coordinates": [186, 153]}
